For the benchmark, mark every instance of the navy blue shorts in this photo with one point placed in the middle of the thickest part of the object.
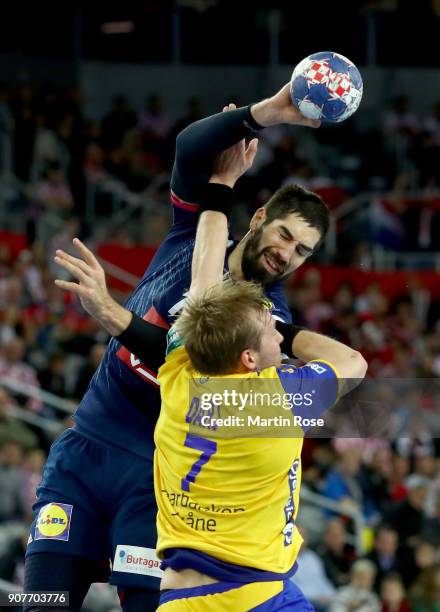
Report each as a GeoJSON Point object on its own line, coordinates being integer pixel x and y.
{"type": "Point", "coordinates": [97, 501]}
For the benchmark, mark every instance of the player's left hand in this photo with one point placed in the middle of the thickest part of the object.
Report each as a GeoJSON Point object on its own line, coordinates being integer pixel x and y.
{"type": "Point", "coordinates": [232, 163]}
{"type": "Point", "coordinates": [91, 288]}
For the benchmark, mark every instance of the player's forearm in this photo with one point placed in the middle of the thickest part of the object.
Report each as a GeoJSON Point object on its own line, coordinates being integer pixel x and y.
{"type": "Point", "coordinates": [212, 230]}
{"type": "Point", "coordinates": [114, 318]}
{"type": "Point", "coordinates": [146, 341]}
{"type": "Point", "coordinates": [199, 144]}
{"type": "Point", "coordinates": [309, 345]}
{"type": "Point", "coordinates": [204, 139]}
{"type": "Point", "coordinates": [209, 251]}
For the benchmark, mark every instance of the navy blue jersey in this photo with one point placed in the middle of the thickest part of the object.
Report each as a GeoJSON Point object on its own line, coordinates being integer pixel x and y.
{"type": "Point", "coordinates": [122, 402]}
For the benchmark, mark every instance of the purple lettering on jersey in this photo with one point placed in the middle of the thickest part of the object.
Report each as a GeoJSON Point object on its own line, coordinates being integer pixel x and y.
{"type": "Point", "coordinates": [208, 448]}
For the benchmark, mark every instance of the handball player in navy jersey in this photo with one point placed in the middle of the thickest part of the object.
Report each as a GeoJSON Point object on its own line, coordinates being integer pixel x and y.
{"type": "Point", "coordinates": [95, 512]}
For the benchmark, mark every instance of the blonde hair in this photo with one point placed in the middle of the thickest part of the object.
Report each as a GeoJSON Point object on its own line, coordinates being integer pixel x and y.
{"type": "Point", "coordinates": [217, 326]}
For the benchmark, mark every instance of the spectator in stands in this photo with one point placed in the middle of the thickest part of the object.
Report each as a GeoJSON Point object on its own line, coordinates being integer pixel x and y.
{"type": "Point", "coordinates": [94, 162]}
{"type": "Point", "coordinates": [116, 124]}
{"type": "Point", "coordinates": [23, 109]}
{"type": "Point", "coordinates": [396, 480]}
{"type": "Point", "coordinates": [47, 147]}
{"type": "Point", "coordinates": [335, 553]}
{"type": "Point", "coordinates": [11, 428]}
{"type": "Point", "coordinates": [13, 366]}
{"type": "Point", "coordinates": [399, 120]}
{"type": "Point", "coordinates": [407, 516]}
{"type": "Point", "coordinates": [307, 294]}
{"type": "Point", "coordinates": [31, 473]}
{"type": "Point", "coordinates": [52, 377]}
{"type": "Point", "coordinates": [385, 554]}
{"type": "Point", "coordinates": [53, 192]}
{"type": "Point", "coordinates": [6, 131]}
{"type": "Point", "coordinates": [375, 469]}
{"type": "Point", "coordinates": [372, 301]}
{"type": "Point", "coordinates": [12, 505]}
{"type": "Point", "coordinates": [357, 595]}
{"type": "Point", "coordinates": [310, 576]}
{"type": "Point", "coordinates": [12, 557]}
{"type": "Point", "coordinates": [431, 525]}
{"type": "Point", "coordinates": [31, 274]}
{"type": "Point", "coordinates": [86, 372]}
{"type": "Point", "coordinates": [153, 123]}
{"type": "Point", "coordinates": [425, 594]}
{"type": "Point", "coordinates": [194, 112]}
{"type": "Point", "coordinates": [432, 123]}
{"type": "Point", "coordinates": [344, 483]}
{"type": "Point", "coordinates": [393, 595]}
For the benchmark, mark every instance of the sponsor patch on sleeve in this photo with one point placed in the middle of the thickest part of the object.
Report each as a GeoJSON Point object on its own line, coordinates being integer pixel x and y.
{"type": "Point", "coordinates": [137, 560]}
{"type": "Point", "coordinates": [53, 522]}
{"type": "Point", "coordinates": [173, 340]}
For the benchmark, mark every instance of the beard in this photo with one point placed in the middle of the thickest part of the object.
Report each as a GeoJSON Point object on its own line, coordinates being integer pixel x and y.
{"type": "Point", "coordinates": [251, 266]}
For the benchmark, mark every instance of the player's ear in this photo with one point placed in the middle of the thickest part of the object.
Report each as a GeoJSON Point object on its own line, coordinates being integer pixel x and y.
{"type": "Point", "coordinates": [247, 360]}
{"type": "Point", "coordinates": [258, 219]}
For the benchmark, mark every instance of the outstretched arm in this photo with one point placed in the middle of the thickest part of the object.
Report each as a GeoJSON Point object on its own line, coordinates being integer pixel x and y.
{"type": "Point", "coordinates": [198, 145]}
{"type": "Point", "coordinates": [147, 341]}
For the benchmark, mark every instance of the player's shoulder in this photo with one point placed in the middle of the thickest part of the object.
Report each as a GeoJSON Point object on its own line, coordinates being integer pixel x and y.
{"type": "Point", "coordinates": [176, 359]}
{"type": "Point", "coordinates": [174, 341]}
{"type": "Point", "coordinates": [280, 309]}
{"type": "Point", "coordinates": [317, 368]}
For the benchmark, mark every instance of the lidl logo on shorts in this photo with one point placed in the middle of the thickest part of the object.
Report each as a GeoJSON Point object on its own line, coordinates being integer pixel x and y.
{"type": "Point", "coordinates": [137, 560]}
{"type": "Point", "coordinates": [53, 522]}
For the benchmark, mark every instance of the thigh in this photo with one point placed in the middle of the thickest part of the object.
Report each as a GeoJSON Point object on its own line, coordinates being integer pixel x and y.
{"type": "Point", "coordinates": [69, 517]}
{"type": "Point", "coordinates": [133, 532]}
{"type": "Point", "coordinates": [52, 571]}
{"type": "Point", "coordinates": [133, 600]}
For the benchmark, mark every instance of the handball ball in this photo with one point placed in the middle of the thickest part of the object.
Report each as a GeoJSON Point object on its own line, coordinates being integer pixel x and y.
{"type": "Point", "coordinates": [326, 86]}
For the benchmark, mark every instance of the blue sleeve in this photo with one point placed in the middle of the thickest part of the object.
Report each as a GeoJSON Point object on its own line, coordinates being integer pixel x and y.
{"type": "Point", "coordinates": [184, 213]}
{"type": "Point", "coordinates": [318, 384]}
{"type": "Point", "coordinates": [196, 148]}
{"type": "Point", "coordinates": [281, 310]}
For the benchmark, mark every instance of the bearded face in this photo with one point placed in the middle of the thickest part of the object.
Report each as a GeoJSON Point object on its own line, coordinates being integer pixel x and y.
{"type": "Point", "coordinates": [261, 265]}
{"type": "Point", "coordinates": [274, 250]}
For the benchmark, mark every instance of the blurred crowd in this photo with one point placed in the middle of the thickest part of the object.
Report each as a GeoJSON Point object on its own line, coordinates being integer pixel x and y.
{"type": "Point", "coordinates": [60, 156]}
{"type": "Point", "coordinates": [48, 342]}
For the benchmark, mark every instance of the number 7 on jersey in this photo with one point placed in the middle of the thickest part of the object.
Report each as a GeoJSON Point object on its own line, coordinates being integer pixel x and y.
{"type": "Point", "coordinates": [207, 448]}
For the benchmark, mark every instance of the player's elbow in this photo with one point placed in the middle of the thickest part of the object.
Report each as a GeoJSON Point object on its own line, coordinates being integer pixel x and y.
{"type": "Point", "coordinates": [356, 367]}
{"type": "Point", "coordinates": [183, 142]}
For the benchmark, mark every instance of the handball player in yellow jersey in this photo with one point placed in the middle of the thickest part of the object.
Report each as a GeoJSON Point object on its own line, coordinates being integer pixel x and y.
{"type": "Point", "coordinates": [227, 506]}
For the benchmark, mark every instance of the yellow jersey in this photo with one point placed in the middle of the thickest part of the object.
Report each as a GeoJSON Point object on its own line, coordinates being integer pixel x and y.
{"type": "Point", "coordinates": [231, 492]}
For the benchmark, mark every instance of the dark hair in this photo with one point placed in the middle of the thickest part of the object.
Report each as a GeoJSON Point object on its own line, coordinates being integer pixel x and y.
{"type": "Point", "coordinates": [385, 527]}
{"type": "Point", "coordinates": [295, 199]}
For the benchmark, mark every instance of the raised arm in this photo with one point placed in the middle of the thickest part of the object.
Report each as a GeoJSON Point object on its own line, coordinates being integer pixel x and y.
{"type": "Point", "coordinates": [198, 145]}
{"type": "Point", "coordinates": [212, 230]}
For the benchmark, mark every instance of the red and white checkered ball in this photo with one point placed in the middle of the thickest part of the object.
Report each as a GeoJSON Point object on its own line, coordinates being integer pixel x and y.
{"type": "Point", "coordinates": [326, 86]}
